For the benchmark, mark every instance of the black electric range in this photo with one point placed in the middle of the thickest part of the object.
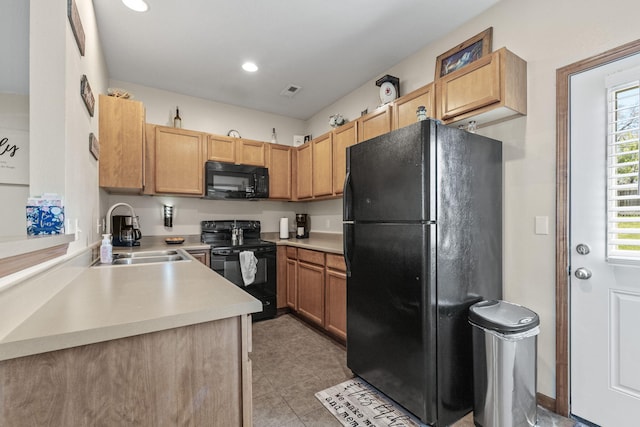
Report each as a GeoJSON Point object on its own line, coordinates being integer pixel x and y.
{"type": "Point", "coordinates": [228, 238]}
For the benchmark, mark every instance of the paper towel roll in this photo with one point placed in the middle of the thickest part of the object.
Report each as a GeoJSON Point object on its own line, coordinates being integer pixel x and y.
{"type": "Point", "coordinates": [284, 228]}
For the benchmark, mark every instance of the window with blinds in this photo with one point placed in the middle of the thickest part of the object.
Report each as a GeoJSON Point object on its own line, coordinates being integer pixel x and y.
{"type": "Point", "coordinates": [623, 198]}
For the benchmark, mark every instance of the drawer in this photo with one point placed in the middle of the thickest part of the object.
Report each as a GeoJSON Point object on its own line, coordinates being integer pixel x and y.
{"type": "Point", "coordinates": [312, 257]}
{"type": "Point", "coordinates": [291, 252]}
{"type": "Point", "coordinates": [336, 262]}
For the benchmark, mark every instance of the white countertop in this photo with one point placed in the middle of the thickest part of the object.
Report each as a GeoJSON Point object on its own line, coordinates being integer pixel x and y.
{"type": "Point", "coordinates": [105, 303]}
{"type": "Point", "coordinates": [324, 242]}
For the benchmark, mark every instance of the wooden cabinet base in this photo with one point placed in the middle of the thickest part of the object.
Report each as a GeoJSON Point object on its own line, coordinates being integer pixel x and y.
{"type": "Point", "coordinates": [192, 375]}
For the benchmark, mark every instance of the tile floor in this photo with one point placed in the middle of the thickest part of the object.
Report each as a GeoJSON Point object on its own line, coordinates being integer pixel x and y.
{"type": "Point", "coordinates": [292, 361]}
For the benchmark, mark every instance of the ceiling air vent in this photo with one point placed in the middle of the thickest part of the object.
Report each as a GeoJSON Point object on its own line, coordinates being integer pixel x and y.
{"type": "Point", "coordinates": [290, 90]}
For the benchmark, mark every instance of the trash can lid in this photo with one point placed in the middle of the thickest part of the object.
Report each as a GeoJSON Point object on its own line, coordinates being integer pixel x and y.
{"type": "Point", "coordinates": [502, 316]}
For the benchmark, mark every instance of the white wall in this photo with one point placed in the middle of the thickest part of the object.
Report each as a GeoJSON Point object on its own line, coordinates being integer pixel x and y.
{"type": "Point", "coordinates": [207, 116]}
{"type": "Point", "coordinates": [14, 114]}
{"type": "Point", "coordinates": [548, 34]}
{"type": "Point", "coordinates": [60, 161]}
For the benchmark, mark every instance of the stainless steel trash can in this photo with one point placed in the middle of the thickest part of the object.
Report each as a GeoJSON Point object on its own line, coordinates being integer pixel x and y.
{"type": "Point", "coordinates": [504, 364]}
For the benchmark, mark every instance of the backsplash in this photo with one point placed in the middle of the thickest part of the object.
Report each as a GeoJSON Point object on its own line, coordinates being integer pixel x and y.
{"type": "Point", "coordinates": [325, 216]}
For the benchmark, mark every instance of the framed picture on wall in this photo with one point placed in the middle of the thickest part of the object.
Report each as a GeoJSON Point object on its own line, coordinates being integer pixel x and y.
{"type": "Point", "coordinates": [87, 95]}
{"type": "Point", "coordinates": [465, 53]}
{"type": "Point", "coordinates": [94, 146]}
{"type": "Point", "coordinates": [76, 24]}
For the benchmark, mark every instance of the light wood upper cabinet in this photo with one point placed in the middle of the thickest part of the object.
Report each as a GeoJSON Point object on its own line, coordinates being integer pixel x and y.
{"type": "Point", "coordinates": [121, 127]}
{"type": "Point", "coordinates": [179, 161]}
{"type": "Point", "coordinates": [375, 123]}
{"type": "Point", "coordinates": [404, 108]}
{"type": "Point", "coordinates": [489, 89]}
{"type": "Point", "coordinates": [221, 148]}
{"type": "Point", "coordinates": [236, 150]}
{"type": "Point", "coordinates": [280, 169]}
{"type": "Point", "coordinates": [304, 186]}
{"type": "Point", "coordinates": [343, 137]}
{"type": "Point", "coordinates": [250, 152]}
{"type": "Point", "coordinates": [322, 169]}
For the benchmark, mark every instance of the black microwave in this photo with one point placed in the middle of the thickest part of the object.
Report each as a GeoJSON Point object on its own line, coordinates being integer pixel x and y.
{"type": "Point", "coordinates": [230, 181]}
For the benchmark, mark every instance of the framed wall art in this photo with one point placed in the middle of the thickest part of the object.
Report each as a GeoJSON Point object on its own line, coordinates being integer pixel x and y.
{"type": "Point", "coordinates": [94, 146]}
{"type": "Point", "coordinates": [76, 24]}
{"type": "Point", "coordinates": [87, 95]}
{"type": "Point", "coordinates": [465, 53]}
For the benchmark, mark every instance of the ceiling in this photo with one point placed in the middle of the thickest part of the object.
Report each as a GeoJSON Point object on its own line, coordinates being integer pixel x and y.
{"type": "Point", "coordinates": [327, 47]}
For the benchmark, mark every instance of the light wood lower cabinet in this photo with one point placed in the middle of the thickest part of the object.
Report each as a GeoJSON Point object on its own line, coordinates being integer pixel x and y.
{"type": "Point", "coordinates": [202, 255]}
{"type": "Point", "coordinates": [311, 286]}
{"type": "Point", "coordinates": [291, 274]}
{"type": "Point", "coordinates": [194, 375]}
{"type": "Point", "coordinates": [316, 288]}
{"type": "Point", "coordinates": [335, 317]}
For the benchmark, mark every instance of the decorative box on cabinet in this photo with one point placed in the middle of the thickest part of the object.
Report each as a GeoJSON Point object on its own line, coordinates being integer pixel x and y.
{"type": "Point", "coordinates": [490, 89]}
{"type": "Point", "coordinates": [122, 137]}
{"type": "Point", "coordinates": [280, 170]}
{"type": "Point", "coordinates": [376, 123]}
{"type": "Point", "coordinates": [343, 137]}
{"type": "Point", "coordinates": [404, 108]}
{"type": "Point", "coordinates": [179, 161]}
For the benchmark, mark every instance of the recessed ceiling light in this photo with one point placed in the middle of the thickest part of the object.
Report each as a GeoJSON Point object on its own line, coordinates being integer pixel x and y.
{"type": "Point", "coordinates": [250, 67]}
{"type": "Point", "coordinates": [137, 5]}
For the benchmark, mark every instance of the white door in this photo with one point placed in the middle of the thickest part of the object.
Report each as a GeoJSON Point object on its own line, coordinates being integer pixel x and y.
{"type": "Point", "coordinates": [605, 262]}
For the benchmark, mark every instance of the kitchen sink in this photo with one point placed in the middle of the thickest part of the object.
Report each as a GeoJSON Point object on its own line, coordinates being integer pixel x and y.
{"type": "Point", "coordinates": [146, 257]}
{"type": "Point", "coordinates": [146, 254]}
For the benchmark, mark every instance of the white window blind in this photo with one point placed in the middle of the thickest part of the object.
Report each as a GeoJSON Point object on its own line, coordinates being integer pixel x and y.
{"type": "Point", "coordinates": [623, 198]}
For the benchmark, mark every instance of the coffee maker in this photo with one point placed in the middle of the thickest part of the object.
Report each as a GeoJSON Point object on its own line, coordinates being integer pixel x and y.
{"type": "Point", "coordinates": [302, 226]}
{"type": "Point", "coordinates": [125, 230]}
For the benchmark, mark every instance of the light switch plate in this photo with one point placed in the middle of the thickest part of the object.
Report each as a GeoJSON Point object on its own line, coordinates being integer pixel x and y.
{"type": "Point", "coordinates": [542, 225]}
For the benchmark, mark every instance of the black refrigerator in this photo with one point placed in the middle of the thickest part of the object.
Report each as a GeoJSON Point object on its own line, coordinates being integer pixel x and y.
{"type": "Point", "coordinates": [422, 243]}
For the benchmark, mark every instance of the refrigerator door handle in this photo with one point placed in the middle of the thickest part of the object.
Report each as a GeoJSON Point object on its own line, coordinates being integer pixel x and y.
{"type": "Point", "coordinates": [347, 229]}
{"type": "Point", "coordinates": [347, 198]}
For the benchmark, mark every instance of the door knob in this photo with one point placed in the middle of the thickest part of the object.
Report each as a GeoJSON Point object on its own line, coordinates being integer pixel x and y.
{"type": "Point", "coordinates": [583, 273]}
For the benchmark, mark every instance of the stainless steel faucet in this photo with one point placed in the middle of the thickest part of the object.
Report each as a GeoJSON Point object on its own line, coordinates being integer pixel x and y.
{"type": "Point", "coordinates": [134, 218]}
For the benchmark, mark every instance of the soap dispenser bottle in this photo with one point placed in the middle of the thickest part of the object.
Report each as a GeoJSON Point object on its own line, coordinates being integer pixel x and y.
{"type": "Point", "coordinates": [106, 250]}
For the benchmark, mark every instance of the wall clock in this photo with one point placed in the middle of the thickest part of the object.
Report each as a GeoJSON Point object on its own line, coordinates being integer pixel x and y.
{"type": "Point", "coordinates": [233, 133]}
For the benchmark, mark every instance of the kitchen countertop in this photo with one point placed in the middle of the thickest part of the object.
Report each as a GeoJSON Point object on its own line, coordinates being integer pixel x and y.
{"type": "Point", "coordinates": [111, 302]}
{"type": "Point", "coordinates": [324, 242]}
